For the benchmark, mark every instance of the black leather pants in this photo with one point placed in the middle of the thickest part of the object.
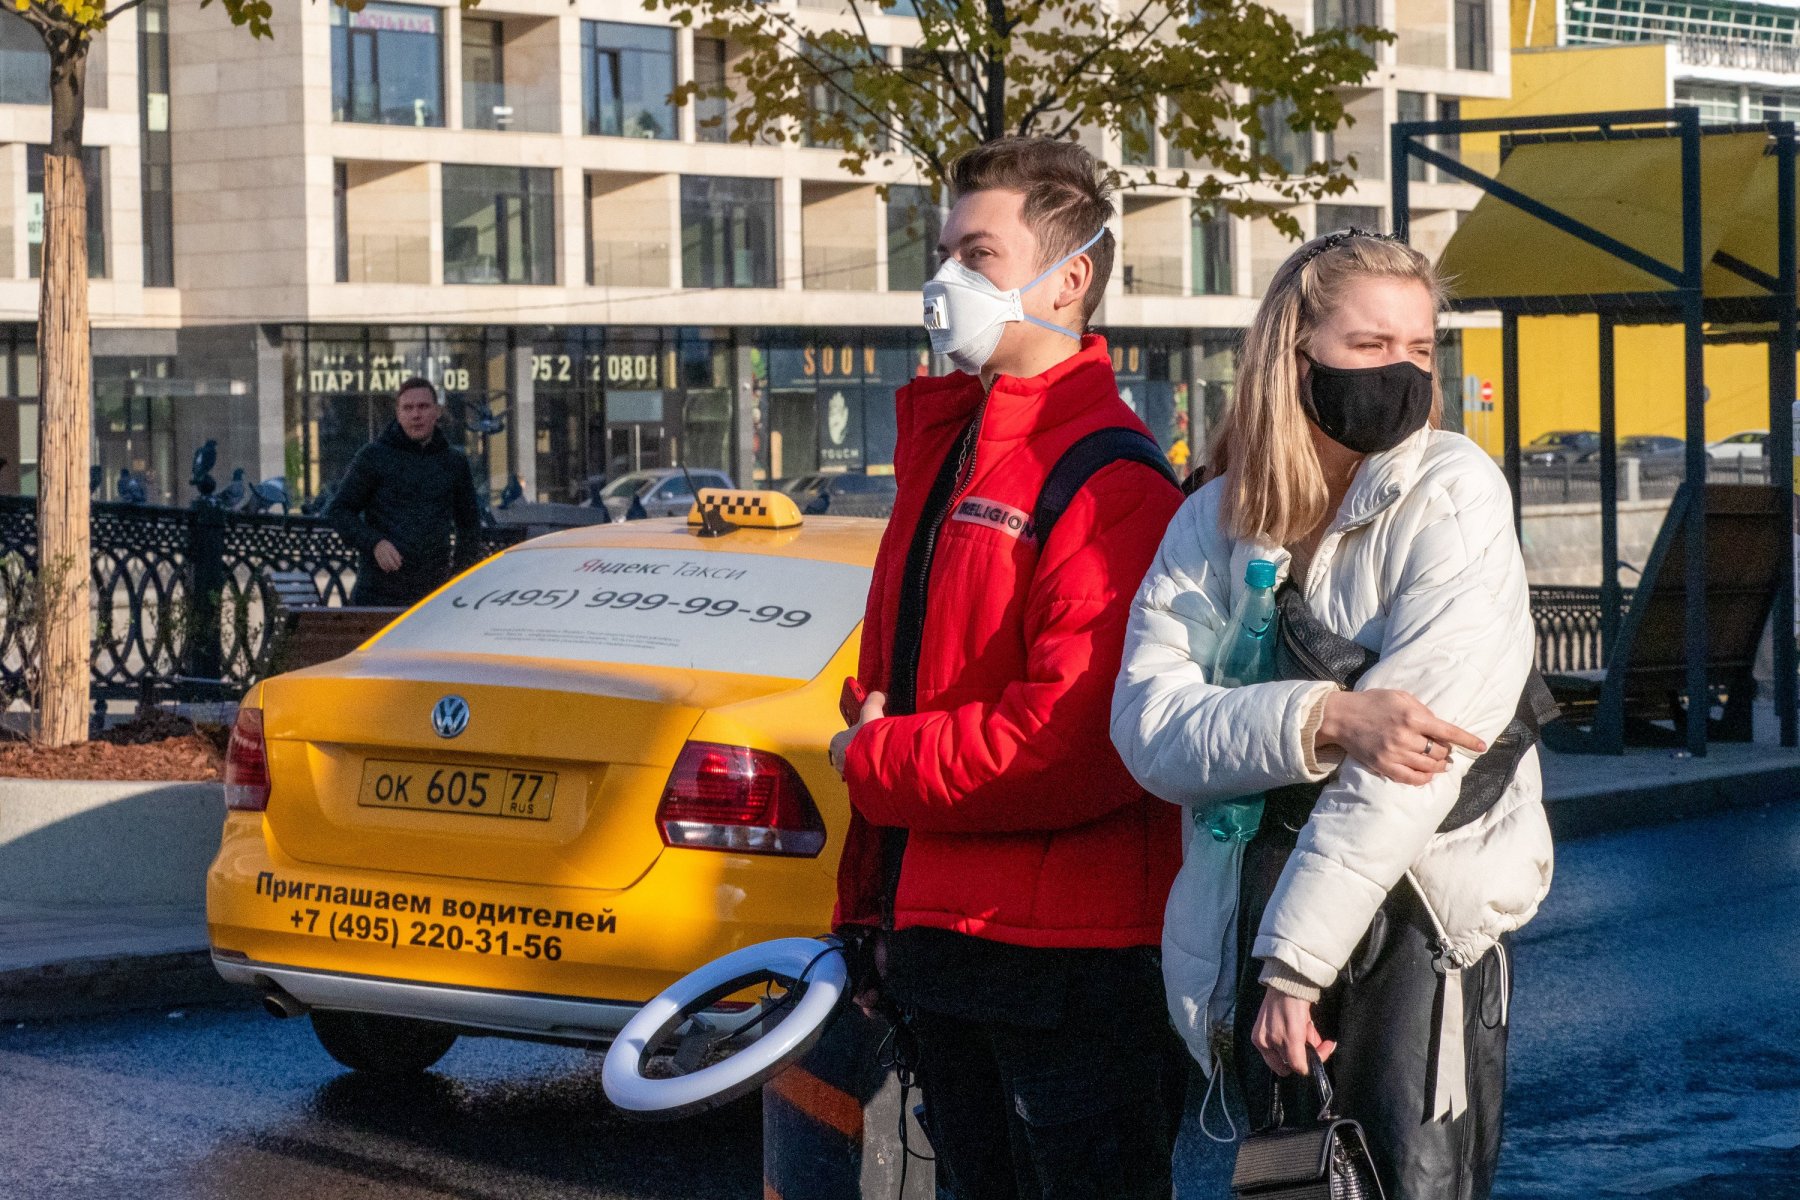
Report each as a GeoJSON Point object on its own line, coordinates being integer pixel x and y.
{"type": "Point", "coordinates": [1383, 1013]}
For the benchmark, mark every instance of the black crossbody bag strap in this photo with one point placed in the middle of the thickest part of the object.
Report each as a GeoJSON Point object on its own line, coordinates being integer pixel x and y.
{"type": "Point", "coordinates": [1306, 649]}
{"type": "Point", "coordinates": [1078, 464]}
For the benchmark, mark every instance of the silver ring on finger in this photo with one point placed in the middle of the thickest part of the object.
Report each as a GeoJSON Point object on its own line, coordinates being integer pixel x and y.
{"type": "Point", "coordinates": [1429, 747]}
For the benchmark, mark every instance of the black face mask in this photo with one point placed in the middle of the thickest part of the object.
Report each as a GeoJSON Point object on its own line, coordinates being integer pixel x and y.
{"type": "Point", "coordinates": [1367, 409]}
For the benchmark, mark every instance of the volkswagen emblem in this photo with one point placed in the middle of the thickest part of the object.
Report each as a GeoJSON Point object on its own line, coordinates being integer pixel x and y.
{"type": "Point", "coordinates": [450, 716]}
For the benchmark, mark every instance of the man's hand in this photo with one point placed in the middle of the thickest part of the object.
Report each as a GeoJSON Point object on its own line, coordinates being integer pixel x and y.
{"type": "Point", "coordinates": [1284, 1029]}
{"type": "Point", "coordinates": [386, 556]}
{"type": "Point", "coordinates": [873, 709]}
{"type": "Point", "coordinates": [1392, 734]}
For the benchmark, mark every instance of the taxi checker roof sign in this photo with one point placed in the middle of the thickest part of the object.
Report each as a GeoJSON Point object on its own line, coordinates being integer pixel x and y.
{"type": "Point", "coordinates": [749, 614]}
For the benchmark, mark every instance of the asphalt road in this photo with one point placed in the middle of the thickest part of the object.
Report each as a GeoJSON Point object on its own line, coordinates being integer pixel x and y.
{"type": "Point", "coordinates": [1656, 1051]}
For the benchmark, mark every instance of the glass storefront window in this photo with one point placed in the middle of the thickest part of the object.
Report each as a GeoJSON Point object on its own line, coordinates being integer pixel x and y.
{"type": "Point", "coordinates": [830, 401]}
{"type": "Point", "coordinates": [499, 225]}
{"type": "Point", "coordinates": [627, 75]}
{"type": "Point", "coordinates": [387, 65]}
{"type": "Point", "coordinates": [914, 222]}
{"type": "Point", "coordinates": [727, 232]}
{"type": "Point", "coordinates": [93, 164]}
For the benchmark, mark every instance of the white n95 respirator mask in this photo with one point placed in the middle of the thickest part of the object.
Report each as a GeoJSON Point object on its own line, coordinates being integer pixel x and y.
{"type": "Point", "coordinates": [965, 314]}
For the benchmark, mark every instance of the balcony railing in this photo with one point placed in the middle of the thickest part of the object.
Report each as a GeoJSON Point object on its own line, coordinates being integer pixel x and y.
{"type": "Point", "coordinates": [1740, 54]}
{"type": "Point", "coordinates": [519, 107]}
{"type": "Point", "coordinates": [630, 263]}
{"type": "Point", "coordinates": [388, 258]}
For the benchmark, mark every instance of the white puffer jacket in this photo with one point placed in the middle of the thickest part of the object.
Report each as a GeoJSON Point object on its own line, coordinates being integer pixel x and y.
{"type": "Point", "coordinates": [1420, 565]}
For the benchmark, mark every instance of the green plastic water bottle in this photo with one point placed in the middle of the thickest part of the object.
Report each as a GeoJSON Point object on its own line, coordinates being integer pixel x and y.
{"type": "Point", "coordinates": [1246, 655]}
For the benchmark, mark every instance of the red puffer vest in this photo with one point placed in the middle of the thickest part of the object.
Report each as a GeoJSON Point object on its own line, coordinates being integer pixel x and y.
{"type": "Point", "coordinates": [1023, 825]}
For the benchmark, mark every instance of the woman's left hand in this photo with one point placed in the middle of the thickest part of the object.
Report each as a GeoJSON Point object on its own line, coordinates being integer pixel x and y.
{"type": "Point", "coordinates": [1284, 1029]}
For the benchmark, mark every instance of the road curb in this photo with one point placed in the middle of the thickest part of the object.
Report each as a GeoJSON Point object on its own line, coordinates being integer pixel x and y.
{"type": "Point", "coordinates": [1607, 810]}
{"type": "Point", "coordinates": [113, 983]}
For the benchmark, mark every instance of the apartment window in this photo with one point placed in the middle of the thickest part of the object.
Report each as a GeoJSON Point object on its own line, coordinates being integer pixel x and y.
{"type": "Point", "coordinates": [499, 225]}
{"type": "Point", "coordinates": [627, 76]}
{"type": "Point", "coordinates": [1212, 252]}
{"type": "Point", "coordinates": [1408, 107]}
{"type": "Point", "coordinates": [93, 167]}
{"type": "Point", "coordinates": [1718, 104]}
{"type": "Point", "coordinates": [24, 63]}
{"type": "Point", "coordinates": [1333, 217]}
{"type": "Point", "coordinates": [153, 149]}
{"type": "Point", "coordinates": [1137, 139]}
{"type": "Point", "coordinates": [1472, 35]}
{"type": "Point", "coordinates": [1290, 147]}
{"type": "Point", "coordinates": [1777, 106]}
{"type": "Point", "coordinates": [826, 98]}
{"type": "Point", "coordinates": [1346, 14]}
{"type": "Point", "coordinates": [387, 65]}
{"type": "Point", "coordinates": [727, 232]}
{"type": "Point", "coordinates": [914, 222]}
{"type": "Point", "coordinates": [712, 114]}
{"type": "Point", "coordinates": [340, 213]}
{"type": "Point", "coordinates": [483, 74]}
{"type": "Point", "coordinates": [1450, 144]}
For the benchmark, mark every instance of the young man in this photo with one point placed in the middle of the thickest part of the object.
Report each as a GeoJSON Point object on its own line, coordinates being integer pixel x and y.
{"type": "Point", "coordinates": [403, 497]}
{"type": "Point", "coordinates": [1016, 872]}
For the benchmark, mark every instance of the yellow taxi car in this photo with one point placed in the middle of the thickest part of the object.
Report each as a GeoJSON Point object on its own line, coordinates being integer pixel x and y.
{"type": "Point", "coordinates": [573, 774]}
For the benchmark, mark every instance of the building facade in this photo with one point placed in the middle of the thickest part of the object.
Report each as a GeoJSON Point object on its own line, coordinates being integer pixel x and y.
{"type": "Point", "coordinates": [503, 200]}
{"type": "Point", "coordinates": [1734, 62]}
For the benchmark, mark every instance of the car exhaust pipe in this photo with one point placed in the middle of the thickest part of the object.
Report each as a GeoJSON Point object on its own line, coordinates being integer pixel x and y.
{"type": "Point", "coordinates": [280, 1005]}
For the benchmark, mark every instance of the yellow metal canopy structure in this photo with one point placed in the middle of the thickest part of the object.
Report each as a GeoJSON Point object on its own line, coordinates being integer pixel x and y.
{"type": "Point", "coordinates": [1643, 217]}
{"type": "Point", "coordinates": [1629, 191]}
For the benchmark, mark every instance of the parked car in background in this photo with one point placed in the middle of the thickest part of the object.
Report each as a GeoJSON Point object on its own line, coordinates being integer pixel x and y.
{"type": "Point", "coordinates": [1752, 443]}
{"type": "Point", "coordinates": [846, 493]}
{"type": "Point", "coordinates": [1560, 447]}
{"type": "Point", "coordinates": [1656, 454]}
{"type": "Point", "coordinates": [663, 493]}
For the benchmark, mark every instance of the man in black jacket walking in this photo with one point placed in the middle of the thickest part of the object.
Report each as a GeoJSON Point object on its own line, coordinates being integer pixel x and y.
{"type": "Point", "coordinates": [404, 495]}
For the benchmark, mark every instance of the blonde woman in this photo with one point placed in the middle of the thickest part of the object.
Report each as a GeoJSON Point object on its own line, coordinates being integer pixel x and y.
{"type": "Point", "coordinates": [1365, 934]}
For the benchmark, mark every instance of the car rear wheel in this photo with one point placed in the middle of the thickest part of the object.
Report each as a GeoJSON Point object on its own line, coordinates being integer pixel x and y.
{"type": "Point", "coordinates": [382, 1045]}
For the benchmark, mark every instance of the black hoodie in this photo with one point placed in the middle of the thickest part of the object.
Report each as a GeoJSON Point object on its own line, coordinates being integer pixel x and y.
{"type": "Point", "coordinates": [414, 495]}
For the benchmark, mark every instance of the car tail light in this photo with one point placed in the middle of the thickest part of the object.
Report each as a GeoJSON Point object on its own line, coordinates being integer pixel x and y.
{"type": "Point", "coordinates": [247, 764]}
{"type": "Point", "coordinates": [736, 798]}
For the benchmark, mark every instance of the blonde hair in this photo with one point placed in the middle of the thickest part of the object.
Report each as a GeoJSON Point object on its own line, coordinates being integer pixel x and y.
{"type": "Point", "coordinates": [1274, 487]}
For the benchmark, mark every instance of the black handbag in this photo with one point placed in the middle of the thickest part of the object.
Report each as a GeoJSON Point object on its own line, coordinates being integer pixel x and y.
{"type": "Point", "coordinates": [1306, 649]}
{"type": "Point", "coordinates": [1326, 1160]}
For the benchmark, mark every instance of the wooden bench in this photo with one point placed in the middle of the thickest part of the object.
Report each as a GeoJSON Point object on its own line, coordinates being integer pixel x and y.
{"type": "Point", "coordinates": [1646, 677]}
{"type": "Point", "coordinates": [308, 632]}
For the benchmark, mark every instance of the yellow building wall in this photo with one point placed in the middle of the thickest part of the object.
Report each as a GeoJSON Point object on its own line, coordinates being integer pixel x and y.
{"type": "Point", "coordinates": [1558, 356]}
{"type": "Point", "coordinates": [1559, 370]}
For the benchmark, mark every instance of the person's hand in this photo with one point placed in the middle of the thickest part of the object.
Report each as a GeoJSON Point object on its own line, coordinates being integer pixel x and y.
{"type": "Point", "coordinates": [386, 556]}
{"type": "Point", "coordinates": [1284, 1029]}
{"type": "Point", "coordinates": [873, 709]}
{"type": "Point", "coordinates": [1392, 734]}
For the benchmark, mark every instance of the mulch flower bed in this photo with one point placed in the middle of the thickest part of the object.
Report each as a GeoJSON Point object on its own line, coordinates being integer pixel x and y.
{"type": "Point", "coordinates": [152, 746]}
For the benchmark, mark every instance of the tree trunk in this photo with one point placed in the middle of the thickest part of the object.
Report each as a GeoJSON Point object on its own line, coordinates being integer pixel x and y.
{"type": "Point", "coordinates": [64, 628]}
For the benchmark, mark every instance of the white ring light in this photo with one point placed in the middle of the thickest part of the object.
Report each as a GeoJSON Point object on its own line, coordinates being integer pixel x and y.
{"type": "Point", "coordinates": [814, 966]}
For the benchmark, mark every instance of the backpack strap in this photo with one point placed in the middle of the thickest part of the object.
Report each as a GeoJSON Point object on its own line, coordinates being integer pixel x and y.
{"type": "Point", "coordinates": [1085, 459]}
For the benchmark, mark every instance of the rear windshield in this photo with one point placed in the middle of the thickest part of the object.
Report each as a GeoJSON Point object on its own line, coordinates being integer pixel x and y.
{"type": "Point", "coordinates": [748, 614]}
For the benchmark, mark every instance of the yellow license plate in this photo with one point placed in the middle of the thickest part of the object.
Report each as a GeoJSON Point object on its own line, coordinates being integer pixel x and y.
{"type": "Point", "coordinates": [471, 788]}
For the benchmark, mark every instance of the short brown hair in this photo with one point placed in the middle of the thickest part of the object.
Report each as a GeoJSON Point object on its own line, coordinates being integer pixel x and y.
{"type": "Point", "coordinates": [1068, 195]}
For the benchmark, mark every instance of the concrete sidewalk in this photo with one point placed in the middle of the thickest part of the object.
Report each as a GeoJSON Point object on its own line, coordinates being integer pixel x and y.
{"type": "Point", "coordinates": [64, 960]}
{"type": "Point", "coordinates": [60, 960]}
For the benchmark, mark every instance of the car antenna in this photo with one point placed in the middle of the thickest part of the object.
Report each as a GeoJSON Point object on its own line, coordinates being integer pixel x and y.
{"type": "Point", "coordinates": [712, 523]}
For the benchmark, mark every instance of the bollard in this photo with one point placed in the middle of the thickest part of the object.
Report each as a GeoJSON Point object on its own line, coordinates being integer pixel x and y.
{"type": "Point", "coordinates": [831, 1123]}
